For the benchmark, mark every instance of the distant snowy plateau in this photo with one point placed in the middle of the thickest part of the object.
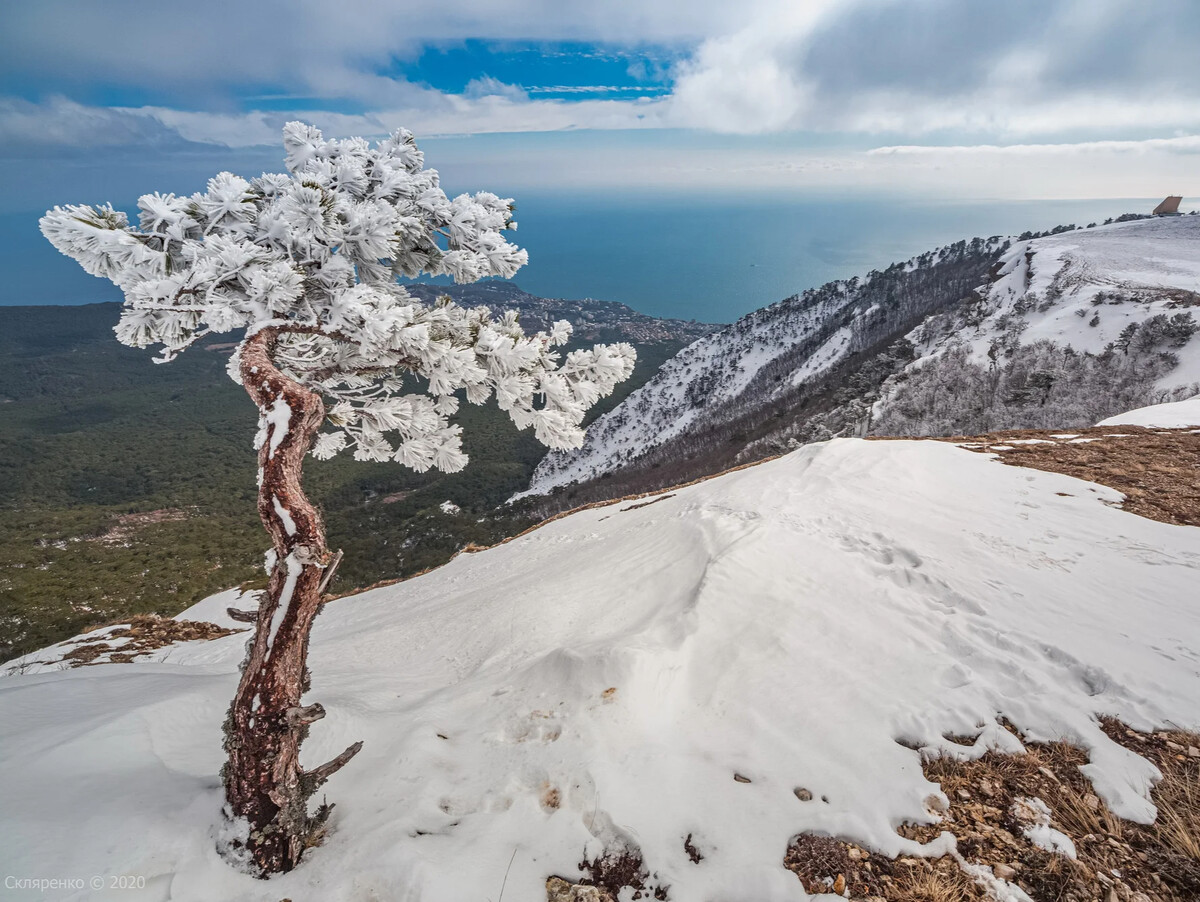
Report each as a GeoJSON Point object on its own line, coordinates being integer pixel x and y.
{"type": "Point", "coordinates": [599, 682]}
{"type": "Point", "coordinates": [974, 336]}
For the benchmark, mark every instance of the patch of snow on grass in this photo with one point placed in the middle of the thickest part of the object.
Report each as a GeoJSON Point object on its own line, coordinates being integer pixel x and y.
{"type": "Point", "coordinates": [1036, 816]}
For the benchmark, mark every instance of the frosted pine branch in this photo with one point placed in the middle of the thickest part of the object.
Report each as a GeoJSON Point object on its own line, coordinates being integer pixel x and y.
{"type": "Point", "coordinates": [315, 255]}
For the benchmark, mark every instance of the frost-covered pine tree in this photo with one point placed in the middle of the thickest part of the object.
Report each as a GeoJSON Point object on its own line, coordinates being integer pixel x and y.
{"type": "Point", "coordinates": [338, 357]}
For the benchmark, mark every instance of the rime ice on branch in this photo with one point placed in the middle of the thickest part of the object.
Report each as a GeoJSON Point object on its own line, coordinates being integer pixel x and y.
{"type": "Point", "coordinates": [307, 264]}
{"type": "Point", "coordinates": [315, 254]}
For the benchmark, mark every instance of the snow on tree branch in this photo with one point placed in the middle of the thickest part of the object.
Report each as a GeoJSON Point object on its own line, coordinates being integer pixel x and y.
{"type": "Point", "coordinates": [314, 256]}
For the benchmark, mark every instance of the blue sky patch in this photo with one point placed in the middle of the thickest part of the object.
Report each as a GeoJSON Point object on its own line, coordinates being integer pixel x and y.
{"type": "Point", "coordinates": [569, 71]}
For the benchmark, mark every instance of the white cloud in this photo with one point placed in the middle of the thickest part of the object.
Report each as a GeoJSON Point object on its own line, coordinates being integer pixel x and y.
{"type": "Point", "coordinates": [314, 47]}
{"type": "Point", "coordinates": [487, 106]}
{"type": "Point", "coordinates": [1015, 86]}
{"type": "Point", "coordinates": [590, 89]}
{"type": "Point", "coordinates": [746, 82]}
{"type": "Point", "coordinates": [1184, 144]}
{"type": "Point", "coordinates": [1032, 67]}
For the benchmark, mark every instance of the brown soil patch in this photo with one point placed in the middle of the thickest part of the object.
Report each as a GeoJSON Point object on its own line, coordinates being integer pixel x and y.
{"type": "Point", "coordinates": [1157, 470]}
{"type": "Point", "coordinates": [145, 633]}
{"type": "Point", "coordinates": [830, 866]}
{"type": "Point", "coordinates": [634, 507]}
{"type": "Point", "coordinates": [620, 869]}
{"type": "Point", "coordinates": [827, 865]}
{"type": "Point", "coordinates": [1117, 861]}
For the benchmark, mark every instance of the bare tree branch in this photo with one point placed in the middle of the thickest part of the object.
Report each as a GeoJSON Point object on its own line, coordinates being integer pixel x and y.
{"type": "Point", "coordinates": [320, 774]}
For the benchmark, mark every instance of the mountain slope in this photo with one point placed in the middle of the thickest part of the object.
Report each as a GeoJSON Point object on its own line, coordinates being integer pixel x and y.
{"type": "Point", "coordinates": [1121, 298]}
{"type": "Point", "coordinates": [969, 339]}
{"type": "Point", "coordinates": [651, 676]}
{"type": "Point", "coordinates": [773, 359]}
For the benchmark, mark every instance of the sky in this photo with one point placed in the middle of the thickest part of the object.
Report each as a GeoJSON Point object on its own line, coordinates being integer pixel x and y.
{"type": "Point", "coordinates": [1026, 99]}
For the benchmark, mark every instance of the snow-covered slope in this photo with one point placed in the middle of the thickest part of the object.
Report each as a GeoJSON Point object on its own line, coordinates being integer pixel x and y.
{"type": "Point", "coordinates": [770, 355]}
{"type": "Point", "coordinates": [602, 679]}
{"type": "Point", "coordinates": [995, 319]}
{"type": "Point", "coordinates": [712, 370]}
{"type": "Point", "coordinates": [1174, 415]}
{"type": "Point", "coordinates": [1116, 275]}
{"type": "Point", "coordinates": [1121, 298]}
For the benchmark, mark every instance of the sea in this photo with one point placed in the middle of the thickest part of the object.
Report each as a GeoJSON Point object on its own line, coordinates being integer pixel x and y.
{"type": "Point", "coordinates": [705, 257]}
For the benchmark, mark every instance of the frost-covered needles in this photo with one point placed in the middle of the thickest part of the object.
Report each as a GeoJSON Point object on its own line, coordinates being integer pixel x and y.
{"type": "Point", "coordinates": [315, 255]}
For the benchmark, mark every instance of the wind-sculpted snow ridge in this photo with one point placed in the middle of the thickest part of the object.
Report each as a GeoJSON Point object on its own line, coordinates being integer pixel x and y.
{"type": "Point", "coordinates": [600, 681]}
{"type": "Point", "coordinates": [770, 357]}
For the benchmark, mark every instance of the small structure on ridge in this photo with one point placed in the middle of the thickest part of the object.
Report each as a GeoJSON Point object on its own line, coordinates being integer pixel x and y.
{"type": "Point", "coordinates": [1169, 207]}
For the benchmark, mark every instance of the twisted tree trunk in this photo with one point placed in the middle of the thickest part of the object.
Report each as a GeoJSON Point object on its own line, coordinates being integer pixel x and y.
{"type": "Point", "coordinates": [264, 782]}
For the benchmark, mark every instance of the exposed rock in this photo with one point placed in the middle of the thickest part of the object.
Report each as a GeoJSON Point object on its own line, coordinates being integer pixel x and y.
{"type": "Point", "coordinates": [559, 890]}
{"type": "Point", "coordinates": [141, 635]}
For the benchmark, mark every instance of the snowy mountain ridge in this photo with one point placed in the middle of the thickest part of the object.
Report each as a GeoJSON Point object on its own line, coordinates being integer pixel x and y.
{"type": "Point", "coordinates": [1116, 275]}
{"type": "Point", "coordinates": [1087, 323]}
{"type": "Point", "coordinates": [770, 354]}
{"type": "Point", "coordinates": [763, 654]}
{"type": "Point", "coordinates": [1021, 327]}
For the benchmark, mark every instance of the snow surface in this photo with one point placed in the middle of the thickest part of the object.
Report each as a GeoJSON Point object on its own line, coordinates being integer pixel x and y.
{"type": "Point", "coordinates": [1176, 415]}
{"type": "Point", "coordinates": [788, 622]}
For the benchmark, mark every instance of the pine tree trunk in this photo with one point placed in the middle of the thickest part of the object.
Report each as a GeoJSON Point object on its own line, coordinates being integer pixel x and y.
{"type": "Point", "coordinates": [264, 782]}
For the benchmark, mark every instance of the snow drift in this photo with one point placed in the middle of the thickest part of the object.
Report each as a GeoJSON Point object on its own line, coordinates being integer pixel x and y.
{"type": "Point", "coordinates": [601, 681]}
{"type": "Point", "coordinates": [1175, 415]}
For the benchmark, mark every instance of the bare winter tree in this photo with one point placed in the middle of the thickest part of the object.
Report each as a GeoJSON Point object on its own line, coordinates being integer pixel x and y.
{"type": "Point", "coordinates": [307, 264]}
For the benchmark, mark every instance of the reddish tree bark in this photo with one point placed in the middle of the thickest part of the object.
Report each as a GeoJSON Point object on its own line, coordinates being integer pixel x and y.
{"type": "Point", "coordinates": [264, 782]}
